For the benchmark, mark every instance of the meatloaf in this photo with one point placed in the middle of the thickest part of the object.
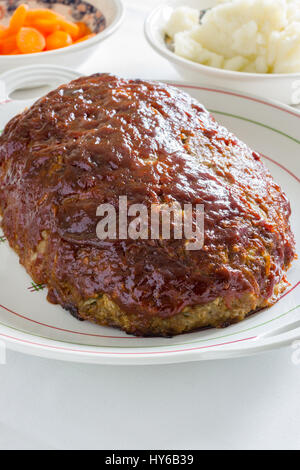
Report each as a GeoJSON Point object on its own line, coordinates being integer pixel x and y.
{"type": "Point", "coordinates": [101, 137]}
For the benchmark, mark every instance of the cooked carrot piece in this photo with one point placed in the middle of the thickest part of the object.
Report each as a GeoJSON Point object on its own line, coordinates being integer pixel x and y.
{"type": "Point", "coordinates": [84, 38]}
{"type": "Point", "coordinates": [8, 44]}
{"type": "Point", "coordinates": [57, 40]}
{"type": "Point", "coordinates": [45, 26]}
{"type": "Point", "coordinates": [30, 40]}
{"type": "Point", "coordinates": [42, 13]}
{"type": "Point", "coordinates": [83, 29]}
{"type": "Point", "coordinates": [18, 19]}
{"type": "Point", "coordinates": [71, 28]}
{"type": "Point", "coordinates": [2, 31]}
{"type": "Point", "coordinates": [31, 31]}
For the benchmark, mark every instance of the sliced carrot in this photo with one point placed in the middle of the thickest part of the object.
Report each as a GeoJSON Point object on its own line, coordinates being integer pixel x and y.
{"type": "Point", "coordinates": [8, 44]}
{"type": "Point", "coordinates": [71, 28]}
{"type": "Point", "coordinates": [42, 13]}
{"type": "Point", "coordinates": [18, 19]}
{"type": "Point", "coordinates": [30, 40]}
{"type": "Point", "coordinates": [83, 29]}
{"type": "Point", "coordinates": [31, 31]}
{"type": "Point", "coordinates": [57, 40]}
{"type": "Point", "coordinates": [2, 31]}
{"type": "Point", "coordinates": [15, 52]}
{"type": "Point", "coordinates": [84, 38]}
{"type": "Point", "coordinates": [45, 26]}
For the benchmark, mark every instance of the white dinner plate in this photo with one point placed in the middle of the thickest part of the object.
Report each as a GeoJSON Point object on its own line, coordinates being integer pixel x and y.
{"type": "Point", "coordinates": [28, 323]}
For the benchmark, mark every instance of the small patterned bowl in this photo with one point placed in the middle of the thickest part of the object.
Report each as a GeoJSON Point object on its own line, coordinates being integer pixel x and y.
{"type": "Point", "coordinates": [102, 16]}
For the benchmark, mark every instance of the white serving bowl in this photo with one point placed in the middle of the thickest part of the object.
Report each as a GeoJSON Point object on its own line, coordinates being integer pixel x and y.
{"type": "Point", "coordinates": [72, 56]}
{"type": "Point", "coordinates": [284, 87]}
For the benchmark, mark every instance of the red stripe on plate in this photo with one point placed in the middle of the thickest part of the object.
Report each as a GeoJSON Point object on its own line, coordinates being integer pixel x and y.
{"type": "Point", "coordinates": [124, 353]}
{"type": "Point", "coordinates": [282, 167]}
{"type": "Point", "coordinates": [231, 93]}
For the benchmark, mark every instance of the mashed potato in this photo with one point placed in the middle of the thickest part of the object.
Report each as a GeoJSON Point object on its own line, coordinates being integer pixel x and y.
{"type": "Point", "coordinates": [259, 36]}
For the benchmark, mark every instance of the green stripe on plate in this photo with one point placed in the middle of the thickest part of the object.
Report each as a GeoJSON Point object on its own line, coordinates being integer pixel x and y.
{"type": "Point", "coordinates": [255, 122]}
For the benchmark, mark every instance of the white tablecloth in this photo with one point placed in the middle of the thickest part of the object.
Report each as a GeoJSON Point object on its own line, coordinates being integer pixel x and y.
{"type": "Point", "coordinates": [242, 403]}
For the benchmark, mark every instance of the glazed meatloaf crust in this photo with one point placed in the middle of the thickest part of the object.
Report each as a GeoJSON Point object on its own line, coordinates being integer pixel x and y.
{"type": "Point", "coordinates": [101, 137]}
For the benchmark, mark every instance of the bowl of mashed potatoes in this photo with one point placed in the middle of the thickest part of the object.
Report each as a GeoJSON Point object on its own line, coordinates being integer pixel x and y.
{"type": "Point", "coordinates": [248, 45]}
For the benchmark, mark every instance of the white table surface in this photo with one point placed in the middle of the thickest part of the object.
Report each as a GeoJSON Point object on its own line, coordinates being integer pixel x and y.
{"type": "Point", "coordinates": [234, 404]}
